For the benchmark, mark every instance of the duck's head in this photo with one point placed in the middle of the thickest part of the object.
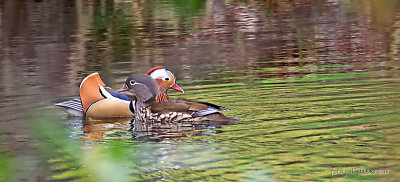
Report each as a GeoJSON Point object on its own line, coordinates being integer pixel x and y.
{"type": "Point", "coordinates": [144, 87]}
{"type": "Point", "coordinates": [164, 78]}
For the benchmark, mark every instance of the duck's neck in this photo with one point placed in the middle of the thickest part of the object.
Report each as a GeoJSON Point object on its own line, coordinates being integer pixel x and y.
{"type": "Point", "coordinates": [162, 95]}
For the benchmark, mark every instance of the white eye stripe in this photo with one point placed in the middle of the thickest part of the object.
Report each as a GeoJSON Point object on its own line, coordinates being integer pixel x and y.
{"type": "Point", "coordinates": [161, 74]}
{"type": "Point", "coordinates": [132, 82]}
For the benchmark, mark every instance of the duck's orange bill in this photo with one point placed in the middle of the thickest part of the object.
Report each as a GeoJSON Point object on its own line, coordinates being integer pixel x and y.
{"type": "Point", "coordinates": [177, 88]}
{"type": "Point", "coordinates": [89, 90]}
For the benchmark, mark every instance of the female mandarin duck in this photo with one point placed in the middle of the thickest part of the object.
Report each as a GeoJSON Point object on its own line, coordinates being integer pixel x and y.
{"type": "Point", "coordinates": [147, 110]}
{"type": "Point", "coordinates": [96, 100]}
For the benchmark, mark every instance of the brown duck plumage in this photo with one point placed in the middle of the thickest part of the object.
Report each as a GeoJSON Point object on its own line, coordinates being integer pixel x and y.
{"type": "Point", "coordinates": [147, 109]}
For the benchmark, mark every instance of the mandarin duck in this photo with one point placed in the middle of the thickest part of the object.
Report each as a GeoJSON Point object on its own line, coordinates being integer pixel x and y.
{"type": "Point", "coordinates": [148, 111]}
{"type": "Point", "coordinates": [97, 100]}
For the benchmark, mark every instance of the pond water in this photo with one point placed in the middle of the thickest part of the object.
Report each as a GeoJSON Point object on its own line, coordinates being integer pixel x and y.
{"type": "Point", "coordinates": [316, 85]}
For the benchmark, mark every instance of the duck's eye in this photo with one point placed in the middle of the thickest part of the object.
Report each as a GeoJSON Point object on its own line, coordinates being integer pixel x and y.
{"type": "Point", "coordinates": [166, 79]}
{"type": "Point", "coordinates": [132, 82]}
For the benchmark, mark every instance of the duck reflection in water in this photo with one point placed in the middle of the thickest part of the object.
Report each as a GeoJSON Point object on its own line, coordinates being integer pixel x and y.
{"type": "Point", "coordinates": [96, 129]}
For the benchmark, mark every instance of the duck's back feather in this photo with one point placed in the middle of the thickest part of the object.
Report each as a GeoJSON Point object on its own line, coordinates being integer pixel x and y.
{"type": "Point", "coordinates": [195, 108]}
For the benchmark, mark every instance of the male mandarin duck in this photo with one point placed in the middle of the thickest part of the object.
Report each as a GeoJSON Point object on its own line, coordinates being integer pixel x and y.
{"type": "Point", "coordinates": [96, 100]}
{"type": "Point", "coordinates": [147, 110]}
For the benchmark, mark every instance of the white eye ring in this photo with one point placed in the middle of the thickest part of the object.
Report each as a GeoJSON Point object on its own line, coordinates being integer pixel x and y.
{"type": "Point", "coordinates": [166, 79]}
{"type": "Point", "coordinates": [132, 82]}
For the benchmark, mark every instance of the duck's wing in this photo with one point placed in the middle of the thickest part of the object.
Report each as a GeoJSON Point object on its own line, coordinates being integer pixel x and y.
{"type": "Point", "coordinates": [200, 108]}
{"type": "Point", "coordinates": [195, 108]}
{"type": "Point", "coordinates": [190, 110]}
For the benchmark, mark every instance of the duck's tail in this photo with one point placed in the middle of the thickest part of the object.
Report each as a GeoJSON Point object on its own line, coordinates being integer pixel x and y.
{"type": "Point", "coordinates": [72, 106]}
